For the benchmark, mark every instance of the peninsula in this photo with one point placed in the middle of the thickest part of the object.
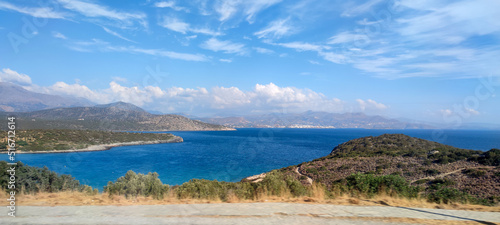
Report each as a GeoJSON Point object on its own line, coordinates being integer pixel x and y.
{"type": "Point", "coordinates": [54, 140]}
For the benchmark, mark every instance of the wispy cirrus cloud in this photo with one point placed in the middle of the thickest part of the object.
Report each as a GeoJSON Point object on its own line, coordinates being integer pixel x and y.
{"type": "Point", "coordinates": [423, 39]}
{"type": "Point", "coordinates": [117, 35]}
{"type": "Point", "coordinates": [58, 35]}
{"type": "Point", "coordinates": [304, 46]}
{"type": "Point", "coordinates": [170, 4]}
{"type": "Point", "coordinates": [263, 50]}
{"type": "Point", "coordinates": [159, 52]}
{"type": "Point", "coordinates": [39, 12]}
{"type": "Point", "coordinates": [94, 10]}
{"type": "Point", "coordinates": [229, 8]}
{"type": "Point", "coordinates": [347, 37]}
{"type": "Point", "coordinates": [97, 45]}
{"type": "Point", "coordinates": [224, 46]}
{"type": "Point", "coordinates": [276, 29]}
{"type": "Point", "coordinates": [177, 25]}
{"type": "Point", "coordinates": [356, 10]}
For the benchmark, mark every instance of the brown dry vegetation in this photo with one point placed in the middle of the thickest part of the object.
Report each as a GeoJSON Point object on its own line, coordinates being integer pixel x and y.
{"type": "Point", "coordinates": [434, 167]}
{"type": "Point", "coordinates": [413, 169]}
{"type": "Point", "coordinates": [78, 198]}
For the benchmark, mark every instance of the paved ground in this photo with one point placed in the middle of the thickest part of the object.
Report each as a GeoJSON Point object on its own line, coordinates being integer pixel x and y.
{"type": "Point", "coordinates": [235, 213]}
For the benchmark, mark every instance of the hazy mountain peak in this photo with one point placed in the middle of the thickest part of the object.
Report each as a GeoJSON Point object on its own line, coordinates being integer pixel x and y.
{"type": "Point", "coordinates": [122, 105]}
{"type": "Point", "coordinates": [16, 98]}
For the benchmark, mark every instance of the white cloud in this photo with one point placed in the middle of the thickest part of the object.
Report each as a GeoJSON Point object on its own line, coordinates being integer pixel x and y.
{"type": "Point", "coordinates": [180, 26]}
{"type": "Point", "coordinates": [170, 4]}
{"type": "Point", "coordinates": [370, 105]}
{"type": "Point", "coordinates": [355, 10]}
{"type": "Point", "coordinates": [58, 35]}
{"type": "Point", "coordinates": [264, 98]}
{"type": "Point", "coordinates": [263, 50]}
{"type": "Point", "coordinates": [346, 37]}
{"type": "Point", "coordinates": [462, 112]}
{"type": "Point", "coordinates": [303, 46]}
{"type": "Point", "coordinates": [228, 97]}
{"type": "Point", "coordinates": [175, 24]}
{"type": "Point", "coordinates": [94, 10]}
{"type": "Point", "coordinates": [424, 39]}
{"type": "Point", "coordinates": [453, 22]}
{"type": "Point", "coordinates": [39, 12]}
{"type": "Point", "coordinates": [229, 8]}
{"type": "Point", "coordinates": [75, 90]}
{"type": "Point", "coordinates": [472, 111]}
{"type": "Point", "coordinates": [159, 52]}
{"type": "Point", "coordinates": [8, 75]}
{"type": "Point", "coordinates": [446, 112]}
{"type": "Point", "coordinates": [205, 31]}
{"type": "Point", "coordinates": [87, 46]}
{"type": "Point", "coordinates": [226, 9]}
{"type": "Point", "coordinates": [117, 35]}
{"type": "Point", "coordinates": [333, 57]}
{"type": "Point", "coordinates": [276, 29]}
{"type": "Point", "coordinates": [98, 45]}
{"type": "Point", "coordinates": [224, 46]}
{"type": "Point", "coordinates": [255, 6]}
{"type": "Point", "coordinates": [226, 60]}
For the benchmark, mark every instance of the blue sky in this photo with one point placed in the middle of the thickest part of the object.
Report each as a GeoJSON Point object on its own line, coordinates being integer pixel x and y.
{"type": "Point", "coordinates": [425, 60]}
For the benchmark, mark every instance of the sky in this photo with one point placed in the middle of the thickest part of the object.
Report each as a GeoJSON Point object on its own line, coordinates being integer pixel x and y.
{"type": "Point", "coordinates": [422, 60]}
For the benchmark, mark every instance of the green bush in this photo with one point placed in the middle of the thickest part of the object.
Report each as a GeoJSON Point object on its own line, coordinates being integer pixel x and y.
{"type": "Point", "coordinates": [133, 184]}
{"type": "Point", "coordinates": [448, 195]}
{"type": "Point", "coordinates": [370, 185]}
{"type": "Point", "coordinates": [489, 158]}
{"type": "Point", "coordinates": [33, 179]}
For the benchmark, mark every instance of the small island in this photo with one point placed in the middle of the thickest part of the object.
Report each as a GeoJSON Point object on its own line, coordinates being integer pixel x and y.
{"type": "Point", "coordinates": [61, 140]}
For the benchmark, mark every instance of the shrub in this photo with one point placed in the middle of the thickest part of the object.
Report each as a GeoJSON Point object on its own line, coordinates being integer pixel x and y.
{"type": "Point", "coordinates": [421, 181]}
{"type": "Point", "coordinates": [370, 185]}
{"type": "Point", "coordinates": [474, 173]}
{"type": "Point", "coordinates": [133, 184]}
{"type": "Point", "coordinates": [431, 172]}
{"type": "Point", "coordinates": [489, 158]}
{"type": "Point", "coordinates": [33, 179]}
{"type": "Point", "coordinates": [448, 195]}
{"type": "Point", "coordinates": [312, 171]}
{"type": "Point", "coordinates": [274, 184]}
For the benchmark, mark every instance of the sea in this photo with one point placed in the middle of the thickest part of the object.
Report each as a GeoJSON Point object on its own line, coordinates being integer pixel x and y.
{"type": "Point", "coordinates": [229, 155]}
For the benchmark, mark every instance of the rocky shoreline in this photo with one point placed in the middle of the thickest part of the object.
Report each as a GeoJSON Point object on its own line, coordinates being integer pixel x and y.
{"type": "Point", "coordinates": [103, 147]}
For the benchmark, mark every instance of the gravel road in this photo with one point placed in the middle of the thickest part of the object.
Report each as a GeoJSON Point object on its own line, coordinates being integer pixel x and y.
{"type": "Point", "coordinates": [239, 213]}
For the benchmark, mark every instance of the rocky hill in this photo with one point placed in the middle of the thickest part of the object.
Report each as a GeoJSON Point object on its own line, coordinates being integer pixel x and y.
{"type": "Point", "coordinates": [17, 99]}
{"type": "Point", "coordinates": [312, 119]}
{"type": "Point", "coordinates": [435, 168]}
{"type": "Point", "coordinates": [117, 116]}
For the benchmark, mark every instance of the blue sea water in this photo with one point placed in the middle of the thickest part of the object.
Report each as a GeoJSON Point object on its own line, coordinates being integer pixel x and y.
{"type": "Point", "coordinates": [229, 155]}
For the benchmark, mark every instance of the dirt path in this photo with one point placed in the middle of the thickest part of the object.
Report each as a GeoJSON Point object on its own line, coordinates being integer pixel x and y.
{"type": "Point", "coordinates": [309, 180]}
{"type": "Point", "coordinates": [244, 213]}
{"type": "Point", "coordinates": [448, 173]}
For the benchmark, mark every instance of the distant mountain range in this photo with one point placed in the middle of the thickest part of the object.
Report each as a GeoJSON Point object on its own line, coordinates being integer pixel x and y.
{"type": "Point", "coordinates": [117, 116]}
{"type": "Point", "coordinates": [52, 111]}
{"type": "Point", "coordinates": [311, 119]}
{"type": "Point", "coordinates": [14, 98]}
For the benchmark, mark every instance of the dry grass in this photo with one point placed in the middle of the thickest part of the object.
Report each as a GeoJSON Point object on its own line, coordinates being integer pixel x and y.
{"type": "Point", "coordinates": [317, 197]}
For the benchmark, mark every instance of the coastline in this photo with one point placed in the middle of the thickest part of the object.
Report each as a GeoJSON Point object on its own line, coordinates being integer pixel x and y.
{"type": "Point", "coordinates": [104, 147]}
